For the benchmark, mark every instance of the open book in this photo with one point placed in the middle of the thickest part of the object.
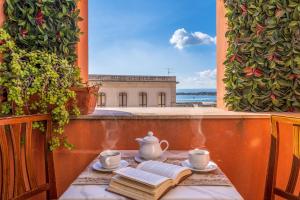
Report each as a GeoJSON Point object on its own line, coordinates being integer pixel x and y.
{"type": "Point", "coordinates": [150, 180]}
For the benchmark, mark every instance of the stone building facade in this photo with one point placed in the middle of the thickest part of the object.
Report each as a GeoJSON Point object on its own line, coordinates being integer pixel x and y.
{"type": "Point", "coordinates": [135, 91]}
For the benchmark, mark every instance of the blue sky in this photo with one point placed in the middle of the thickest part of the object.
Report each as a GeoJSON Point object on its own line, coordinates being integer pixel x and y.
{"type": "Point", "coordinates": [145, 37]}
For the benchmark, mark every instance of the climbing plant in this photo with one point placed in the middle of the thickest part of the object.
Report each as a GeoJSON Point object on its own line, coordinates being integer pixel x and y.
{"type": "Point", "coordinates": [262, 67]}
{"type": "Point", "coordinates": [38, 82]}
{"type": "Point", "coordinates": [49, 25]}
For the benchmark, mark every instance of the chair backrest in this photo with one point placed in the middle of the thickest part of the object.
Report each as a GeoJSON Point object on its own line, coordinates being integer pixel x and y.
{"type": "Point", "coordinates": [270, 188]}
{"type": "Point", "coordinates": [18, 177]}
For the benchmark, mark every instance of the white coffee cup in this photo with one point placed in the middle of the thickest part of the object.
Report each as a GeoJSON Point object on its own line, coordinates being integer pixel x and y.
{"type": "Point", "coordinates": [199, 158]}
{"type": "Point", "coordinates": [110, 159]}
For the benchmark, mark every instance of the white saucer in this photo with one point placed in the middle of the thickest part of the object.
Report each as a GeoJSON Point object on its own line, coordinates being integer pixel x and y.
{"type": "Point", "coordinates": [98, 167]}
{"type": "Point", "coordinates": [139, 159]}
{"type": "Point", "coordinates": [210, 167]}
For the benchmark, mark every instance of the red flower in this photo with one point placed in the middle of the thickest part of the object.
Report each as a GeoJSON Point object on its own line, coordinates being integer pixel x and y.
{"type": "Point", "coordinates": [244, 9]}
{"type": "Point", "coordinates": [39, 18]}
{"type": "Point", "coordinates": [259, 29]}
{"type": "Point", "coordinates": [58, 36]}
{"type": "Point", "coordinates": [232, 58]}
{"type": "Point", "coordinates": [273, 97]}
{"type": "Point", "coordinates": [257, 72]}
{"type": "Point", "coordinates": [248, 71]}
{"type": "Point", "coordinates": [253, 71]}
{"type": "Point", "coordinates": [23, 32]}
{"type": "Point", "coordinates": [294, 76]}
{"type": "Point", "coordinates": [235, 57]}
{"type": "Point", "coordinates": [2, 42]}
{"type": "Point", "coordinates": [272, 57]}
{"type": "Point", "coordinates": [238, 58]}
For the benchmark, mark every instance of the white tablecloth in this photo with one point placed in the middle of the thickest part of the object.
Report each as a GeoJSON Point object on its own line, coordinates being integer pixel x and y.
{"type": "Point", "coordinates": [98, 192]}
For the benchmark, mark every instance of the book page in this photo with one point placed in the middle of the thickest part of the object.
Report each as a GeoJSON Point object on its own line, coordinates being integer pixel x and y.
{"type": "Point", "coordinates": [162, 169]}
{"type": "Point", "coordinates": [141, 176]}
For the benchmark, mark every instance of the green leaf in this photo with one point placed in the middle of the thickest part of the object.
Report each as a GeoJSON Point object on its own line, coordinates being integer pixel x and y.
{"type": "Point", "coordinates": [267, 38]}
{"type": "Point", "coordinates": [293, 23]}
{"type": "Point", "coordinates": [10, 6]}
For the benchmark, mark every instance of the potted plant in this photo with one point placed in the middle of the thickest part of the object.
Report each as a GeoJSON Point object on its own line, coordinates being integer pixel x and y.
{"type": "Point", "coordinates": [86, 98]}
{"type": "Point", "coordinates": [38, 82]}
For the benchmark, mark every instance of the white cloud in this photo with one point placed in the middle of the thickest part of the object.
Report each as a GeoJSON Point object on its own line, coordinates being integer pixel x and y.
{"type": "Point", "coordinates": [181, 38]}
{"type": "Point", "coordinates": [207, 74]}
{"type": "Point", "coordinates": [201, 79]}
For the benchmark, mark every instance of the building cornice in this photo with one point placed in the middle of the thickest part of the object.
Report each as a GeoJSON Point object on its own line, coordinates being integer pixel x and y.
{"type": "Point", "coordinates": [131, 78]}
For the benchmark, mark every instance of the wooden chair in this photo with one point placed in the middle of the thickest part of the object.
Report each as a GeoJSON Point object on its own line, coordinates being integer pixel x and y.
{"type": "Point", "coordinates": [18, 179]}
{"type": "Point", "coordinates": [270, 189]}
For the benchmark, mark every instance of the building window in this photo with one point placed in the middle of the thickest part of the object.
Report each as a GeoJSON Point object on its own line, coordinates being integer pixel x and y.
{"type": "Point", "coordinates": [123, 99]}
{"type": "Point", "coordinates": [162, 99]}
{"type": "Point", "coordinates": [143, 99]}
{"type": "Point", "coordinates": [101, 99]}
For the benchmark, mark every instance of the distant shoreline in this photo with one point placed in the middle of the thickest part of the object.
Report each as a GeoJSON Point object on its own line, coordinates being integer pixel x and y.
{"type": "Point", "coordinates": [196, 104]}
{"type": "Point", "coordinates": [192, 97]}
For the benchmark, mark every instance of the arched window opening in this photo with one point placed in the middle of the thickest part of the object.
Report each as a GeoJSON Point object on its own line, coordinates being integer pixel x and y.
{"type": "Point", "coordinates": [143, 99]}
{"type": "Point", "coordinates": [162, 99]}
{"type": "Point", "coordinates": [101, 99]}
{"type": "Point", "coordinates": [123, 99]}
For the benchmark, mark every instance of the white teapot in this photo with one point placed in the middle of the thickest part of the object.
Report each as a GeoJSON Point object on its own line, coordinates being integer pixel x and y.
{"type": "Point", "coordinates": [150, 148]}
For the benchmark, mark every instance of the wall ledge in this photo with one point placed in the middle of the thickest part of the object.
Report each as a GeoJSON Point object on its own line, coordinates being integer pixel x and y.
{"type": "Point", "coordinates": [169, 113]}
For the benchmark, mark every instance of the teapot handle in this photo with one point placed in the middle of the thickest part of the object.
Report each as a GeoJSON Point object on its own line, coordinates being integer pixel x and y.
{"type": "Point", "coordinates": [167, 143]}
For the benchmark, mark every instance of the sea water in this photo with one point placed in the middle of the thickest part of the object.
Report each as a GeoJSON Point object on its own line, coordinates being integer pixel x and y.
{"type": "Point", "coordinates": [195, 95]}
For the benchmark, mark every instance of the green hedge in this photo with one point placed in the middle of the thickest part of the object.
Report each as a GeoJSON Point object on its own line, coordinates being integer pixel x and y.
{"type": "Point", "coordinates": [49, 25]}
{"type": "Point", "coordinates": [262, 67]}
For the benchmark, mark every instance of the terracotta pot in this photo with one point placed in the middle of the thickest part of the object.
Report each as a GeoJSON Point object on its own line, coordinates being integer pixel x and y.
{"type": "Point", "coordinates": [86, 98]}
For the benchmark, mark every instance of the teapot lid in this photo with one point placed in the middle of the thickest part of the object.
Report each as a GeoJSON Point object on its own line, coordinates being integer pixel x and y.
{"type": "Point", "coordinates": [150, 138]}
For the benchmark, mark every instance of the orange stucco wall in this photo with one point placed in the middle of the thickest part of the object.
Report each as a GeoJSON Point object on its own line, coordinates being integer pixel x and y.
{"type": "Point", "coordinates": [239, 146]}
{"type": "Point", "coordinates": [83, 49]}
{"type": "Point", "coordinates": [2, 16]}
{"type": "Point", "coordinates": [221, 52]}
